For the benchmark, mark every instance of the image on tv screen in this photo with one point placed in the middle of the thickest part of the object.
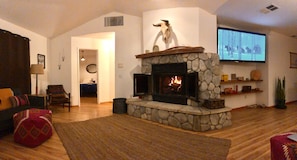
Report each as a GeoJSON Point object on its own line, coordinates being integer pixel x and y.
{"type": "Point", "coordinates": [235, 45]}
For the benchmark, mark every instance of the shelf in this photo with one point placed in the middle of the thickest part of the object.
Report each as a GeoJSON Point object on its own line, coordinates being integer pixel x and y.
{"type": "Point", "coordinates": [236, 81]}
{"type": "Point", "coordinates": [240, 93]}
{"type": "Point", "coordinates": [172, 51]}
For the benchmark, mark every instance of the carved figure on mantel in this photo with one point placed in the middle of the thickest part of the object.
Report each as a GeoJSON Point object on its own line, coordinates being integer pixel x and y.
{"type": "Point", "coordinates": [165, 29]}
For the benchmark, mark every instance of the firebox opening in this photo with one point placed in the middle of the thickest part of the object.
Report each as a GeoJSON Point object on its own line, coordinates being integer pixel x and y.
{"type": "Point", "coordinates": [171, 84]}
{"type": "Point", "coordinates": [168, 83]}
{"type": "Point", "coordinates": [169, 87]}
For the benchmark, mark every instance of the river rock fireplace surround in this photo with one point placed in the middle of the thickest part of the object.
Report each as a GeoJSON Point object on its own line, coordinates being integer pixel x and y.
{"type": "Point", "coordinates": [179, 80]}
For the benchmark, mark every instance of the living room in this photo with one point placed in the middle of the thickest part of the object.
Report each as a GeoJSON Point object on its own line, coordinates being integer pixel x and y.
{"type": "Point", "coordinates": [141, 37]}
{"type": "Point", "coordinates": [138, 35]}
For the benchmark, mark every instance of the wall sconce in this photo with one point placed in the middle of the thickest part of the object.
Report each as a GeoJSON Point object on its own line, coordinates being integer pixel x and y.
{"type": "Point", "coordinates": [63, 56]}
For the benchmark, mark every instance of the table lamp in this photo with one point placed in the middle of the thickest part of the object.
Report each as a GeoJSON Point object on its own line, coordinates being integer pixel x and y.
{"type": "Point", "coordinates": [36, 69]}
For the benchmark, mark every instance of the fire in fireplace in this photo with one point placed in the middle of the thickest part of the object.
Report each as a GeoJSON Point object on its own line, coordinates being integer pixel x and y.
{"type": "Point", "coordinates": [168, 83]}
{"type": "Point", "coordinates": [164, 88]}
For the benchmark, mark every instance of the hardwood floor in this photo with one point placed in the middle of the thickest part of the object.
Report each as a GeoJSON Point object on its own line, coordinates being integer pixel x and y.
{"type": "Point", "coordinates": [249, 133]}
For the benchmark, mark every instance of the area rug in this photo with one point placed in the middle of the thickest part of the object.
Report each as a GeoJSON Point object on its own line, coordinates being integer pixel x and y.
{"type": "Point", "coordinates": [124, 137]}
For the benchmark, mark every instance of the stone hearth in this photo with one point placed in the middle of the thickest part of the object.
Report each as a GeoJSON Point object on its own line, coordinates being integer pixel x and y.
{"type": "Point", "coordinates": [192, 116]}
{"type": "Point", "coordinates": [180, 116]}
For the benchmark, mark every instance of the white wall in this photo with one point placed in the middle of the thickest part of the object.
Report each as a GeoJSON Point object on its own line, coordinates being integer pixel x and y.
{"type": "Point", "coordinates": [279, 47]}
{"type": "Point", "coordinates": [190, 27]}
{"type": "Point", "coordinates": [241, 70]}
{"type": "Point", "coordinates": [207, 31]}
{"type": "Point", "coordinates": [60, 47]}
{"type": "Point", "coordinates": [106, 69]}
{"type": "Point", "coordinates": [127, 45]}
{"type": "Point", "coordinates": [38, 45]}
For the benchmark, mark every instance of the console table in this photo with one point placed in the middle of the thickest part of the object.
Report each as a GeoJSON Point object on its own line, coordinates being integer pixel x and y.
{"type": "Point", "coordinates": [88, 90]}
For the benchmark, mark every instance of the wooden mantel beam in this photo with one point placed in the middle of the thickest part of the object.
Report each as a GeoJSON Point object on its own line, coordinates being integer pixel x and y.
{"type": "Point", "coordinates": [172, 51]}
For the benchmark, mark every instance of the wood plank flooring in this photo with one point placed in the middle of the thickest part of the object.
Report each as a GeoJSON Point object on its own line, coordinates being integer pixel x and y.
{"type": "Point", "coordinates": [249, 133]}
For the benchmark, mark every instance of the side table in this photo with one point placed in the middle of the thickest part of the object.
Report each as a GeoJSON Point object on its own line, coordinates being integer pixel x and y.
{"type": "Point", "coordinates": [36, 98]}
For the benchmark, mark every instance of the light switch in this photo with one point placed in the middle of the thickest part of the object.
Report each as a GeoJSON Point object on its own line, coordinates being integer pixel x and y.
{"type": "Point", "coordinates": [120, 65]}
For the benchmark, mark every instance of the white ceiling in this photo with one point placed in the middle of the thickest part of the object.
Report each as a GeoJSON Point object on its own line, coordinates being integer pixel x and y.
{"type": "Point", "coordinates": [53, 17]}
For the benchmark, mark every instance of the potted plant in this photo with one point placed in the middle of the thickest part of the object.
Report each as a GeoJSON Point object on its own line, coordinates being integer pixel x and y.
{"type": "Point", "coordinates": [280, 95]}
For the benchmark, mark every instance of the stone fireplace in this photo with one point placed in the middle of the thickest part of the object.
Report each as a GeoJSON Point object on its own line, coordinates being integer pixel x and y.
{"type": "Point", "coordinates": [206, 65]}
{"type": "Point", "coordinates": [183, 78]}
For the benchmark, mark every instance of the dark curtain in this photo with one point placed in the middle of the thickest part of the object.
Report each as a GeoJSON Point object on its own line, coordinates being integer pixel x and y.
{"type": "Point", "coordinates": [15, 62]}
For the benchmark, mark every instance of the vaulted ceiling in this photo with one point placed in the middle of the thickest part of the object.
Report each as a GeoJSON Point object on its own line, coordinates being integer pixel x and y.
{"type": "Point", "coordinates": [54, 17]}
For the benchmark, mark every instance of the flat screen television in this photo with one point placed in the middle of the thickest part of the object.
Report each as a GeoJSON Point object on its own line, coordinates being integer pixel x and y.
{"type": "Point", "coordinates": [241, 46]}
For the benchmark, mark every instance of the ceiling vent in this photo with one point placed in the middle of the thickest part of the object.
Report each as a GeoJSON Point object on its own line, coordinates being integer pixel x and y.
{"type": "Point", "coordinates": [272, 7]}
{"type": "Point", "coordinates": [269, 8]}
{"type": "Point", "coordinates": [114, 21]}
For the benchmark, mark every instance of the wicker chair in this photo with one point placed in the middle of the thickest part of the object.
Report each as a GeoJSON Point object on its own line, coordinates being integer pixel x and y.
{"type": "Point", "coordinates": [57, 95]}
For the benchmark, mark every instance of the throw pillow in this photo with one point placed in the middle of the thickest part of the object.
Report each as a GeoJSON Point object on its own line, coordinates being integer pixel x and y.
{"type": "Point", "coordinates": [20, 100]}
{"type": "Point", "coordinates": [5, 93]}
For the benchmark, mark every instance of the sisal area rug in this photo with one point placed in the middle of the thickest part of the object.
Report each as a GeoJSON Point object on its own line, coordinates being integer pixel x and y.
{"type": "Point", "coordinates": [124, 137]}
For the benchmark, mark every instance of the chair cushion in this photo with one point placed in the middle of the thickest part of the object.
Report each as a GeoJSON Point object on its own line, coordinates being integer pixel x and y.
{"type": "Point", "coordinates": [58, 95]}
{"type": "Point", "coordinates": [59, 98]}
{"type": "Point", "coordinates": [56, 89]}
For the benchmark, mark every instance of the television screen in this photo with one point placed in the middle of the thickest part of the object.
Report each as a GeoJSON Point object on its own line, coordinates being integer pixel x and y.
{"type": "Point", "coordinates": [242, 46]}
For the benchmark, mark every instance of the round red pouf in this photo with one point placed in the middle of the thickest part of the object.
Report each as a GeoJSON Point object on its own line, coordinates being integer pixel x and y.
{"type": "Point", "coordinates": [32, 127]}
{"type": "Point", "coordinates": [282, 147]}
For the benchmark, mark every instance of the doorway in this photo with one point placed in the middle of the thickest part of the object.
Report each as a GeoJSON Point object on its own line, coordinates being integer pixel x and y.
{"type": "Point", "coordinates": [88, 69]}
{"type": "Point", "coordinates": [104, 45]}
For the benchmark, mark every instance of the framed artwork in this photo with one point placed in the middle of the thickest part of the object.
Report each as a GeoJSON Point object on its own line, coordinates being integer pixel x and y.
{"type": "Point", "coordinates": [41, 59]}
{"type": "Point", "coordinates": [293, 60]}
